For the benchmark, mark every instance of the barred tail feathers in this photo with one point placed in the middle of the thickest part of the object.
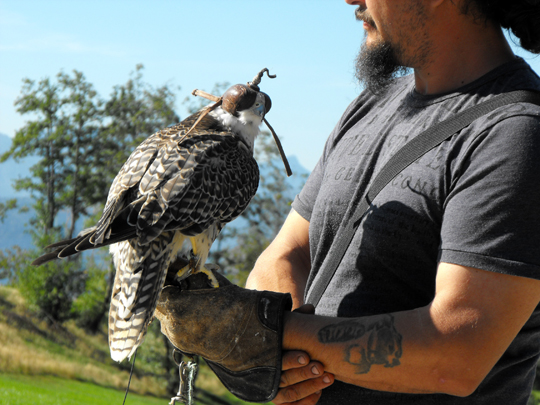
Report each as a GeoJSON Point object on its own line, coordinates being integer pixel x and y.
{"type": "Point", "coordinates": [140, 275]}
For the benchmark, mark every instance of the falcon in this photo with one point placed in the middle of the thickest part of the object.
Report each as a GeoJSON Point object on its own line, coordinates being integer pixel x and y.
{"type": "Point", "coordinates": [184, 182]}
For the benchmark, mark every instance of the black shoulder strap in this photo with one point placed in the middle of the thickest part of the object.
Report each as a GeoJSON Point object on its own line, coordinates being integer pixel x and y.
{"type": "Point", "coordinates": [408, 154]}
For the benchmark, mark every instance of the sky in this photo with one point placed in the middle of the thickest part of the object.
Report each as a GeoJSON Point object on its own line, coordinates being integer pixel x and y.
{"type": "Point", "coordinates": [309, 44]}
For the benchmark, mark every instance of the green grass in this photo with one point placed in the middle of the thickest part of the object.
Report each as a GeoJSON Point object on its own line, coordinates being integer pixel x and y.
{"type": "Point", "coordinates": [47, 390]}
{"type": "Point", "coordinates": [60, 364]}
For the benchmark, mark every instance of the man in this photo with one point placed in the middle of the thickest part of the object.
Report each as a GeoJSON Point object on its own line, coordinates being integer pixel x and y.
{"type": "Point", "coordinates": [448, 260]}
{"type": "Point", "coordinates": [435, 299]}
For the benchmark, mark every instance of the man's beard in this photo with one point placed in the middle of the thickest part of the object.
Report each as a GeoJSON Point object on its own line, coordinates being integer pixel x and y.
{"type": "Point", "coordinates": [378, 65]}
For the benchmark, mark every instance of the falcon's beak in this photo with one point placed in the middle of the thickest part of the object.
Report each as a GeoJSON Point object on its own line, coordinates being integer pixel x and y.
{"type": "Point", "coordinates": [260, 110]}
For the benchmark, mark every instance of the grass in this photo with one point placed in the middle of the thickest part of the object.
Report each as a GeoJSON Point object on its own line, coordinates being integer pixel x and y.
{"type": "Point", "coordinates": [47, 390]}
{"type": "Point", "coordinates": [32, 347]}
{"type": "Point", "coordinates": [57, 364]}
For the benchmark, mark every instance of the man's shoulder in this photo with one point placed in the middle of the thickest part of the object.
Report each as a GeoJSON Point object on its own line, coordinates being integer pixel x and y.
{"type": "Point", "coordinates": [393, 96]}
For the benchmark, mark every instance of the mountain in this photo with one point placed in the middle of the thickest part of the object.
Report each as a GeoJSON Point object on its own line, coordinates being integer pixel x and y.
{"type": "Point", "coordinates": [11, 170]}
{"type": "Point", "coordinates": [13, 229]}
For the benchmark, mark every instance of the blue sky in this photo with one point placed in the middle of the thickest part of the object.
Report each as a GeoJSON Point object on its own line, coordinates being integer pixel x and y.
{"type": "Point", "coordinates": [309, 44]}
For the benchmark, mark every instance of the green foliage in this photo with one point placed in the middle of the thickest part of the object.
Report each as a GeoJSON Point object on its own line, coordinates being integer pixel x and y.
{"type": "Point", "coordinates": [12, 261]}
{"type": "Point", "coordinates": [5, 207]}
{"type": "Point", "coordinates": [43, 136]}
{"type": "Point", "coordinates": [62, 132]}
{"type": "Point", "coordinates": [81, 119]}
{"type": "Point", "coordinates": [49, 289]}
{"type": "Point", "coordinates": [90, 307]}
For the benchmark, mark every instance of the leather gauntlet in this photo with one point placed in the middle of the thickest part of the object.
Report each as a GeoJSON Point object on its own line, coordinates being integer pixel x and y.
{"type": "Point", "coordinates": [237, 331]}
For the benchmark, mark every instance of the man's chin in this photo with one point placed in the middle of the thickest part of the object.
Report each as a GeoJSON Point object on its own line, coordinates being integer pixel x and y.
{"type": "Point", "coordinates": [377, 65]}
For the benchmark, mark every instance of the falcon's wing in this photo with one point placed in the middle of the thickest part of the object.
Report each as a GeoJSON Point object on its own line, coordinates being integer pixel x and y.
{"type": "Point", "coordinates": [173, 181]}
{"type": "Point", "coordinates": [205, 178]}
{"type": "Point", "coordinates": [135, 168]}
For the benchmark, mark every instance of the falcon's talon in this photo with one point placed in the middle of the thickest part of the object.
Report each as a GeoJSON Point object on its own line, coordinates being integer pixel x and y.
{"type": "Point", "coordinates": [212, 280]}
{"type": "Point", "coordinates": [183, 273]}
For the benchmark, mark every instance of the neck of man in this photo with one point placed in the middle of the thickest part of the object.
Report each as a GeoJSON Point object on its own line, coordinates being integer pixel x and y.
{"type": "Point", "coordinates": [464, 49]}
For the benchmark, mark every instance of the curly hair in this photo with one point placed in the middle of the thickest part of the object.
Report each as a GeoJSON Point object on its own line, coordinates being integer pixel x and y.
{"type": "Point", "coordinates": [521, 17]}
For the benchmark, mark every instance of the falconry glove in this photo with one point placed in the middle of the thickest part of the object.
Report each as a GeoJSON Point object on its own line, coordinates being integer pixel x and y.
{"type": "Point", "coordinates": [237, 331]}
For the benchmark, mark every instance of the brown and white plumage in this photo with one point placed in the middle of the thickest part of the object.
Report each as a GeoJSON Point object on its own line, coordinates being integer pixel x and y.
{"type": "Point", "coordinates": [177, 185]}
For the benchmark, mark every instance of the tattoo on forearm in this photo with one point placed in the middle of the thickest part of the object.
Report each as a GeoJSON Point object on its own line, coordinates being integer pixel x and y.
{"type": "Point", "coordinates": [381, 343]}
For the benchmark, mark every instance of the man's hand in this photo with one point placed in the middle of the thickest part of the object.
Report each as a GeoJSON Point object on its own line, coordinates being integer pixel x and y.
{"type": "Point", "coordinates": [302, 380]}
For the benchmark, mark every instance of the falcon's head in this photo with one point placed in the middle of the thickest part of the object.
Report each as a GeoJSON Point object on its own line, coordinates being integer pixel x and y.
{"type": "Point", "coordinates": [242, 110]}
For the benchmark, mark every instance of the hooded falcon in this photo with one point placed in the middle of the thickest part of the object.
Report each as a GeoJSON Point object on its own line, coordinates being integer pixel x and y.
{"type": "Point", "coordinates": [184, 182]}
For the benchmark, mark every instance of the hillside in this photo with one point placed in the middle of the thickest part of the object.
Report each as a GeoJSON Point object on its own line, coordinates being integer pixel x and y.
{"type": "Point", "coordinates": [32, 347]}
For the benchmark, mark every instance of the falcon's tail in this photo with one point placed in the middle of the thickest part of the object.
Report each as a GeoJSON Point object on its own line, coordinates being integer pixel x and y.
{"type": "Point", "coordinates": [140, 275]}
{"type": "Point", "coordinates": [82, 242]}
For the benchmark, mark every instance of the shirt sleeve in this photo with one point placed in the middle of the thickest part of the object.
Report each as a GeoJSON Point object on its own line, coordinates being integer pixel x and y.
{"type": "Point", "coordinates": [491, 215]}
{"type": "Point", "coordinates": [304, 201]}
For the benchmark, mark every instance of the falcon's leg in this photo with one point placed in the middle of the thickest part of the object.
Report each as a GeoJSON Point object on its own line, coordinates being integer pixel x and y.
{"type": "Point", "coordinates": [200, 248]}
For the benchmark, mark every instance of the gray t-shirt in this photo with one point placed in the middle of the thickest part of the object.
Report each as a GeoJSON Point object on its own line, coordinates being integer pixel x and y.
{"type": "Point", "coordinates": [474, 200]}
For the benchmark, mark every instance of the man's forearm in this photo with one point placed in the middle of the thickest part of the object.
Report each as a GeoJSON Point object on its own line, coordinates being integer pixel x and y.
{"type": "Point", "coordinates": [284, 266]}
{"type": "Point", "coordinates": [448, 346]}
{"type": "Point", "coordinates": [276, 271]}
{"type": "Point", "coordinates": [400, 352]}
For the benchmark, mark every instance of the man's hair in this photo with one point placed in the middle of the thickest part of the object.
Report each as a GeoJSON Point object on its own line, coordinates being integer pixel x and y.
{"type": "Point", "coordinates": [521, 17]}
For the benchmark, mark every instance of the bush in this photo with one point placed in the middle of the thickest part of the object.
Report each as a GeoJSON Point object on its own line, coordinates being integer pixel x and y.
{"type": "Point", "coordinates": [51, 287]}
{"type": "Point", "coordinates": [90, 307]}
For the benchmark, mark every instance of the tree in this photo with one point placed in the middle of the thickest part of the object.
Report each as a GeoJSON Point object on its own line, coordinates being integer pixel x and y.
{"type": "Point", "coordinates": [64, 114]}
{"type": "Point", "coordinates": [7, 206]}
{"type": "Point", "coordinates": [43, 136]}
{"type": "Point", "coordinates": [82, 143]}
{"type": "Point", "coordinates": [49, 289]}
{"type": "Point", "coordinates": [81, 120]}
{"type": "Point", "coordinates": [134, 111]}
{"type": "Point", "coordinates": [91, 305]}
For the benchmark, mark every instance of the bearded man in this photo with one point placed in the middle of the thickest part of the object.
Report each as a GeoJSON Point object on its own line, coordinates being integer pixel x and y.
{"type": "Point", "coordinates": [435, 299]}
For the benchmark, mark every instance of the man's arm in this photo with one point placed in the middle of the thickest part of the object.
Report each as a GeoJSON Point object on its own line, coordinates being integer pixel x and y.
{"type": "Point", "coordinates": [284, 266]}
{"type": "Point", "coordinates": [447, 347]}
